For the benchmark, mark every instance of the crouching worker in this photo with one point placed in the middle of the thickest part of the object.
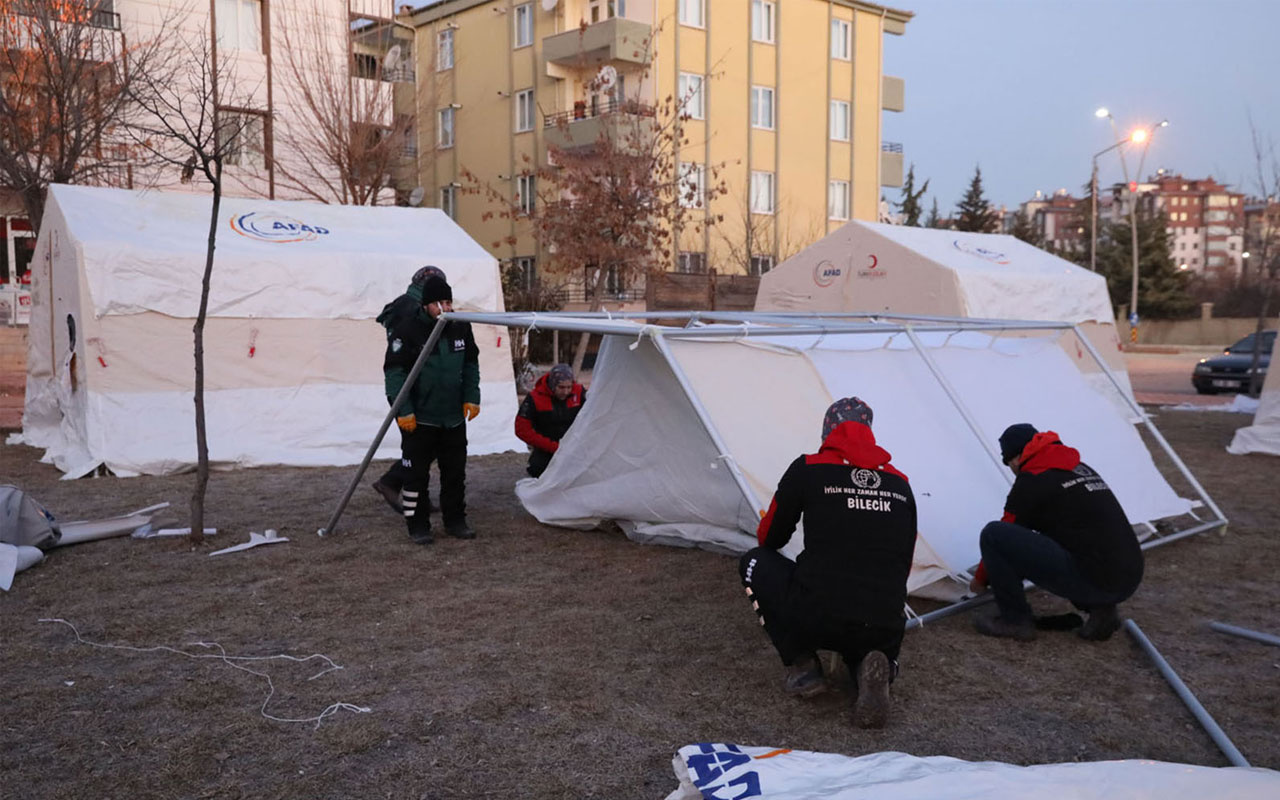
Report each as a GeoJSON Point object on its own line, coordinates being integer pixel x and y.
{"type": "Point", "coordinates": [1064, 531]}
{"type": "Point", "coordinates": [546, 414]}
{"type": "Point", "coordinates": [846, 590]}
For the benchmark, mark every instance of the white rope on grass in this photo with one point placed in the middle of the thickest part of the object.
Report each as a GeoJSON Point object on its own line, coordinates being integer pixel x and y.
{"type": "Point", "coordinates": [230, 661]}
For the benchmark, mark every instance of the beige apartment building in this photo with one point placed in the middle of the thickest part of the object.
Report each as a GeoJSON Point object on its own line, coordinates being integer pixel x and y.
{"type": "Point", "coordinates": [785, 97]}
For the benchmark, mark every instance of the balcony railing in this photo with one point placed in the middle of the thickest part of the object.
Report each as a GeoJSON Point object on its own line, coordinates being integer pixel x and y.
{"type": "Point", "coordinates": [95, 15]}
{"type": "Point", "coordinates": [576, 293]}
{"type": "Point", "coordinates": [891, 147]}
{"type": "Point", "coordinates": [590, 111]}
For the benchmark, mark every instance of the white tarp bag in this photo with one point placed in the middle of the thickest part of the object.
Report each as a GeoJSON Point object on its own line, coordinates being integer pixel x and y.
{"type": "Point", "coordinates": [24, 522]}
{"type": "Point", "coordinates": [731, 772]}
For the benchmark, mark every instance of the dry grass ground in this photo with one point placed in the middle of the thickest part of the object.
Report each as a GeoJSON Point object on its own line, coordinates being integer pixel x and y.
{"type": "Point", "coordinates": [537, 662]}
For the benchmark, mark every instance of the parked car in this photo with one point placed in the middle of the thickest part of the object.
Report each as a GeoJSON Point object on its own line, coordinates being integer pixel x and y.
{"type": "Point", "coordinates": [1229, 372]}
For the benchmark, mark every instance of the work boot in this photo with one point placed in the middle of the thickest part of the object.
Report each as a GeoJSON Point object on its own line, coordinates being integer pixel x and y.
{"type": "Point", "coordinates": [804, 678]}
{"type": "Point", "coordinates": [460, 530]}
{"type": "Point", "coordinates": [871, 709]}
{"type": "Point", "coordinates": [419, 533]}
{"type": "Point", "coordinates": [392, 496]}
{"type": "Point", "coordinates": [1103, 621]}
{"type": "Point", "coordinates": [998, 626]}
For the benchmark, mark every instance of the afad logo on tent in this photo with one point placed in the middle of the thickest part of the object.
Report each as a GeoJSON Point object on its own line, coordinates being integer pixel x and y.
{"type": "Point", "coordinates": [825, 273]}
{"type": "Point", "coordinates": [268, 227]}
{"type": "Point", "coordinates": [981, 252]}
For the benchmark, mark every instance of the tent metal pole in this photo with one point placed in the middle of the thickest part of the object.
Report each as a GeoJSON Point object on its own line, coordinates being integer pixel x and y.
{"type": "Point", "coordinates": [1265, 638]}
{"type": "Point", "coordinates": [955, 400]}
{"type": "Point", "coordinates": [954, 608]}
{"type": "Point", "coordinates": [1188, 699]}
{"type": "Point", "coordinates": [1173, 537]}
{"type": "Point", "coordinates": [427, 349]}
{"type": "Point", "coordinates": [705, 417]}
{"type": "Point", "coordinates": [1155, 432]}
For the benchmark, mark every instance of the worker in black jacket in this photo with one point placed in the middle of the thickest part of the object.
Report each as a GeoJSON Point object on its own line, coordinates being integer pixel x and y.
{"type": "Point", "coordinates": [1064, 531]}
{"type": "Point", "coordinates": [847, 589]}
{"type": "Point", "coordinates": [546, 414]}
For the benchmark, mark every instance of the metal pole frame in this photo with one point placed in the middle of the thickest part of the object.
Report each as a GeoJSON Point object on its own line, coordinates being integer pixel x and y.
{"type": "Point", "coordinates": [427, 349]}
{"type": "Point", "coordinates": [1257, 636]}
{"type": "Point", "coordinates": [1188, 699]}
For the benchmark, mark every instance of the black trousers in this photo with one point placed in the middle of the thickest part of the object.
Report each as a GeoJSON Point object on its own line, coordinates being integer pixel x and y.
{"type": "Point", "coordinates": [797, 625]}
{"type": "Point", "coordinates": [448, 448]}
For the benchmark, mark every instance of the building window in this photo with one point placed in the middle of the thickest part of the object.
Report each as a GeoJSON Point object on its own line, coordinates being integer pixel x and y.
{"type": "Point", "coordinates": [762, 107]}
{"type": "Point", "coordinates": [693, 184]}
{"type": "Point", "coordinates": [527, 268]}
{"type": "Point", "coordinates": [761, 192]}
{"type": "Point", "coordinates": [691, 13]}
{"type": "Point", "coordinates": [444, 128]}
{"type": "Point", "coordinates": [524, 25]}
{"type": "Point", "coordinates": [840, 39]}
{"type": "Point", "coordinates": [761, 264]}
{"type": "Point", "coordinates": [526, 194]}
{"type": "Point", "coordinates": [449, 201]}
{"type": "Point", "coordinates": [762, 21]}
{"type": "Point", "coordinates": [244, 138]}
{"type": "Point", "coordinates": [524, 111]}
{"type": "Point", "coordinates": [691, 100]}
{"type": "Point", "coordinates": [444, 50]}
{"type": "Point", "coordinates": [840, 120]}
{"type": "Point", "coordinates": [688, 261]}
{"type": "Point", "coordinates": [239, 24]}
{"type": "Point", "coordinates": [838, 200]}
{"type": "Point", "coordinates": [607, 9]}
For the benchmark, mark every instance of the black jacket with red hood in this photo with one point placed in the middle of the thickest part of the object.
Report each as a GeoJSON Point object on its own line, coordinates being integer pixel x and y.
{"type": "Point", "coordinates": [542, 420]}
{"type": "Point", "coordinates": [859, 527]}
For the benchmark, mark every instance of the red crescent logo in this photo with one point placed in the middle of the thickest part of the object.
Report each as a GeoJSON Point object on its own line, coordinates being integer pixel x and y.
{"type": "Point", "coordinates": [874, 260]}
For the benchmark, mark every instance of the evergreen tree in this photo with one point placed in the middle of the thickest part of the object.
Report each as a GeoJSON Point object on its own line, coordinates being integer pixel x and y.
{"type": "Point", "coordinates": [1162, 287]}
{"type": "Point", "coordinates": [973, 211]}
{"type": "Point", "coordinates": [934, 220]}
{"type": "Point", "coordinates": [1025, 228]}
{"type": "Point", "coordinates": [909, 205]}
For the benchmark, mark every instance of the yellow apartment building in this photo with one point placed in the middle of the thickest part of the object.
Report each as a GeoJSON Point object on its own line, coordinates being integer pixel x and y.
{"type": "Point", "coordinates": [785, 96]}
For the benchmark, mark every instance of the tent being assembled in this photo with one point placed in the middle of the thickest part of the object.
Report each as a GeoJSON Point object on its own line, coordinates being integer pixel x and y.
{"type": "Point", "coordinates": [687, 430]}
{"type": "Point", "coordinates": [1263, 436]}
{"type": "Point", "coordinates": [873, 268]}
{"type": "Point", "coordinates": [292, 355]}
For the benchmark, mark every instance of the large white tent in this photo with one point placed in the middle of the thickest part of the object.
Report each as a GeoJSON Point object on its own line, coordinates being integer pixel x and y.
{"type": "Point", "coordinates": [293, 355]}
{"type": "Point", "coordinates": [871, 267]}
{"type": "Point", "coordinates": [1263, 436]}
{"type": "Point", "coordinates": [686, 431]}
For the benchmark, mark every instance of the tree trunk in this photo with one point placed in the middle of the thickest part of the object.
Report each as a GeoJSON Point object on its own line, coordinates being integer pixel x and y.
{"type": "Point", "coordinates": [597, 303]}
{"type": "Point", "coordinates": [202, 442]}
{"type": "Point", "coordinates": [1255, 380]}
{"type": "Point", "coordinates": [33, 203]}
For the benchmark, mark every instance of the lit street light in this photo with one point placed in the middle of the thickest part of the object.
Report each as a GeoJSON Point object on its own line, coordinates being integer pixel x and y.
{"type": "Point", "coordinates": [1145, 139]}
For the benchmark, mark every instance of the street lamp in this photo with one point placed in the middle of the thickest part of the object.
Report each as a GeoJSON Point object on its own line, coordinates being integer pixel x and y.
{"type": "Point", "coordinates": [1143, 137]}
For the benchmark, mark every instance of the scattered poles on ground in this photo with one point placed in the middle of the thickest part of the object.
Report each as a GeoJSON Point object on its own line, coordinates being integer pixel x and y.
{"type": "Point", "coordinates": [1265, 638]}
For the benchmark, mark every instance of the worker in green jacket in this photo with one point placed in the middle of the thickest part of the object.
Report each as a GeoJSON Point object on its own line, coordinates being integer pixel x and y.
{"type": "Point", "coordinates": [444, 397]}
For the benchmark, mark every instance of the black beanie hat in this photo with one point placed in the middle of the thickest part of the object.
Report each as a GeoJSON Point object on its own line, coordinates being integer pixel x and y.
{"type": "Point", "coordinates": [435, 289]}
{"type": "Point", "coordinates": [420, 277]}
{"type": "Point", "coordinates": [1014, 439]}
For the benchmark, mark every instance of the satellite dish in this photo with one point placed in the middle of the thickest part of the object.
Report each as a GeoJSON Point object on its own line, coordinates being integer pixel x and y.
{"type": "Point", "coordinates": [547, 5]}
{"type": "Point", "coordinates": [415, 197]}
{"type": "Point", "coordinates": [607, 78]}
{"type": "Point", "coordinates": [392, 58]}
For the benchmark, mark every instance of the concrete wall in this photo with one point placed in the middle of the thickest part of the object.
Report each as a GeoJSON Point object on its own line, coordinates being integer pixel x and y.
{"type": "Point", "coordinates": [1211, 331]}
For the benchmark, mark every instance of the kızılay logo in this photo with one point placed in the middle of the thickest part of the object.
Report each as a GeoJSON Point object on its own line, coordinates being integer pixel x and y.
{"type": "Point", "coordinates": [825, 273]}
{"type": "Point", "coordinates": [981, 252]}
{"type": "Point", "coordinates": [268, 227]}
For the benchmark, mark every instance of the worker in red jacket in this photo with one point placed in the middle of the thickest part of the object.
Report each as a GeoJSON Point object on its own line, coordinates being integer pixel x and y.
{"type": "Point", "coordinates": [1064, 531]}
{"type": "Point", "coordinates": [847, 589]}
{"type": "Point", "coordinates": [546, 414]}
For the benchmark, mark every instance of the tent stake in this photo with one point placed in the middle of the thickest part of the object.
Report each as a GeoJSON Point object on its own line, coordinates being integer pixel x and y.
{"type": "Point", "coordinates": [1224, 744]}
{"type": "Point", "coordinates": [427, 349]}
{"type": "Point", "coordinates": [1265, 638]}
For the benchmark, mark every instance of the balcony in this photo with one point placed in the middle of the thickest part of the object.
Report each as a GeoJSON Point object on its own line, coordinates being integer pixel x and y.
{"type": "Point", "coordinates": [628, 123]}
{"type": "Point", "coordinates": [613, 40]}
{"type": "Point", "coordinates": [891, 164]}
{"type": "Point", "coordinates": [892, 93]}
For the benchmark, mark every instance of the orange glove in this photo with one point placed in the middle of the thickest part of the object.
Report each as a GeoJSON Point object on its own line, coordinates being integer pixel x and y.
{"type": "Point", "coordinates": [470, 411]}
{"type": "Point", "coordinates": [408, 423]}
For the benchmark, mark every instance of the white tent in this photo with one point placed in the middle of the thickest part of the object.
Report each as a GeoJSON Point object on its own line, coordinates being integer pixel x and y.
{"type": "Point", "coordinates": [293, 355]}
{"type": "Point", "coordinates": [687, 431]}
{"type": "Point", "coordinates": [872, 267]}
{"type": "Point", "coordinates": [1263, 436]}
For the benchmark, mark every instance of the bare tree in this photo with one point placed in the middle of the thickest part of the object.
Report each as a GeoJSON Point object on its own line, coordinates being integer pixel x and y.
{"type": "Point", "coordinates": [779, 235]}
{"type": "Point", "coordinates": [344, 82]}
{"type": "Point", "coordinates": [67, 77]}
{"type": "Point", "coordinates": [183, 122]}
{"type": "Point", "coordinates": [1263, 245]}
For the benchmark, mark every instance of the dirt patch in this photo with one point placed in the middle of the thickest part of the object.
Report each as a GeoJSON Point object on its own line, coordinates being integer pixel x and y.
{"type": "Point", "coordinates": [538, 662]}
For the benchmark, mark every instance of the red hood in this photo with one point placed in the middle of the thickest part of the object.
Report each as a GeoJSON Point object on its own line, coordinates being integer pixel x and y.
{"type": "Point", "coordinates": [541, 389]}
{"type": "Point", "coordinates": [854, 443]}
{"type": "Point", "coordinates": [1045, 451]}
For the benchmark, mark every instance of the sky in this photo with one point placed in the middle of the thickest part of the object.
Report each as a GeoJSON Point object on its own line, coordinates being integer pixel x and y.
{"type": "Point", "coordinates": [1012, 86]}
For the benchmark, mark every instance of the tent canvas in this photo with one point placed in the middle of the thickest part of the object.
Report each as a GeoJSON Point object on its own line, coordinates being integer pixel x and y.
{"type": "Point", "coordinates": [1263, 436]}
{"type": "Point", "coordinates": [873, 267]}
{"type": "Point", "coordinates": [686, 433]}
{"type": "Point", "coordinates": [292, 352]}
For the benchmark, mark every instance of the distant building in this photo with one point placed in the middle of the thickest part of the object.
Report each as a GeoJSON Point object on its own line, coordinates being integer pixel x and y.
{"type": "Point", "coordinates": [1261, 223]}
{"type": "Point", "coordinates": [1057, 218]}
